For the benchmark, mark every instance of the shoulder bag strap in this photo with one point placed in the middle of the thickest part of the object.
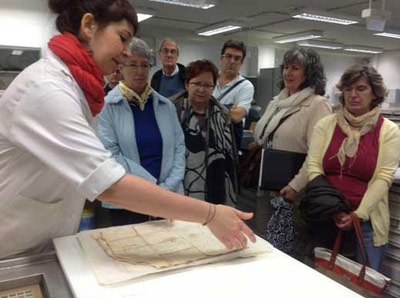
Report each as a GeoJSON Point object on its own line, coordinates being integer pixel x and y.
{"type": "Point", "coordinates": [230, 89]}
{"type": "Point", "coordinates": [271, 135]}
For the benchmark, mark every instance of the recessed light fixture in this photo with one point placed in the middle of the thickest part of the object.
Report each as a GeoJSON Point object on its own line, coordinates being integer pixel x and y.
{"type": "Point", "coordinates": [203, 4]}
{"type": "Point", "coordinates": [326, 17]}
{"type": "Point", "coordinates": [312, 34]}
{"type": "Point", "coordinates": [388, 34]}
{"type": "Point", "coordinates": [321, 44]}
{"type": "Point", "coordinates": [363, 49]}
{"type": "Point", "coordinates": [143, 16]}
{"type": "Point", "coordinates": [219, 28]}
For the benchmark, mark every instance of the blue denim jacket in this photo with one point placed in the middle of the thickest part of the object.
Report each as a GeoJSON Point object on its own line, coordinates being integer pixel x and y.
{"type": "Point", "coordinates": [117, 132]}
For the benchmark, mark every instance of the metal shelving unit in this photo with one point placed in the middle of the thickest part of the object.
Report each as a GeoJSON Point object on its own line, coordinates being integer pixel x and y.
{"type": "Point", "coordinates": [391, 264]}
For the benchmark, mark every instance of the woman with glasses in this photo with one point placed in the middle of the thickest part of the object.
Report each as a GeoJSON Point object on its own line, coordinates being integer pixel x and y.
{"type": "Point", "coordinates": [141, 129]}
{"type": "Point", "coordinates": [210, 165]}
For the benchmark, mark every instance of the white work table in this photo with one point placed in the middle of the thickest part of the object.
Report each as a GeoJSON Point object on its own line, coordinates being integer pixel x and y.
{"type": "Point", "coordinates": [273, 275]}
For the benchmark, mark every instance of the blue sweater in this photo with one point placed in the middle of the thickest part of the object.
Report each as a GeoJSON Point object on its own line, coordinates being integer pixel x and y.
{"type": "Point", "coordinates": [148, 138]}
{"type": "Point", "coordinates": [117, 131]}
{"type": "Point", "coordinates": [171, 85]}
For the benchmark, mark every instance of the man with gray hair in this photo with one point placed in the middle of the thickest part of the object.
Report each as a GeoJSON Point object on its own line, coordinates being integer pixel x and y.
{"type": "Point", "coordinates": [169, 80]}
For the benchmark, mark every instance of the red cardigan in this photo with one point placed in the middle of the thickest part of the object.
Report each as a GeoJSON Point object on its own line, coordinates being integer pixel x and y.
{"type": "Point", "coordinates": [352, 179]}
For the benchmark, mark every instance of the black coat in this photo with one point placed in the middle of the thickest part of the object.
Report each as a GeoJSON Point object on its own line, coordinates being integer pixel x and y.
{"type": "Point", "coordinates": [322, 201]}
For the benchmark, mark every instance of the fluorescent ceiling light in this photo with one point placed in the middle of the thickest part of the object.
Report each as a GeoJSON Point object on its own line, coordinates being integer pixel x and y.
{"type": "Point", "coordinates": [222, 29]}
{"type": "Point", "coordinates": [321, 44]}
{"type": "Point", "coordinates": [298, 36]}
{"type": "Point", "coordinates": [324, 17]}
{"type": "Point", "coordinates": [363, 49]}
{"type": "Point", "coordinates": [204, 4]}
{"type": "Point", "coordinates": [387, 34]}
{"type": "Point", "coordinates": [219, 28]}
{"type": "Point", "coordinates": [17, 52]}
{"type": "Point", "coordinates": [143, 16]}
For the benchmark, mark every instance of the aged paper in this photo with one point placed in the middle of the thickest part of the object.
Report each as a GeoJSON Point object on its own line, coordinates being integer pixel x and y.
{"type": "Point", "coordinates": [159, 245]}
{"type": "Point", "coordinates": [156, 247]}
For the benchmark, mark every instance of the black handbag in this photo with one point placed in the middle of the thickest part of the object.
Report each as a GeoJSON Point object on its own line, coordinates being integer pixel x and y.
{"type": "Point", "coordinates": [278, 167]}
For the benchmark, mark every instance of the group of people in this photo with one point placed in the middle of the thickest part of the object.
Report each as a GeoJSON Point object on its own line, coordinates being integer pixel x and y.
{"type": "Point", "coordinates": [51, 158]}
{"type": "Point", "coordinates": [176, 137]}
{"type": "Point", "coordinates": [354, 150]}
{"type": "Point", "coordinates": [174, 132]}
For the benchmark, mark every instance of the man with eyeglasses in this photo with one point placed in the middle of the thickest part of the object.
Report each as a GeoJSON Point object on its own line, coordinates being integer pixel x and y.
{"type": "Point", "coordinates": [169, 80]}
{"type": "Point", "coordinates": [236, 92]}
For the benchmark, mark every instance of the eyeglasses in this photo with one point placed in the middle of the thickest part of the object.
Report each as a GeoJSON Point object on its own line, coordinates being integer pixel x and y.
{"type": "Point", "coordinates": [165, 51]}
{"type": "Point", "coordinates": [198, 85]}
{"type": "Point", "coordinates": [358, 89]}
{"type": "Point", "coordinates": [234, 57]}
{"type": "Point", "coordinates": [135, 67]}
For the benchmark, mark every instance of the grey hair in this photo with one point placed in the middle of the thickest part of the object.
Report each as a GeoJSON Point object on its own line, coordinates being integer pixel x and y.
{"type": "Point", "coordinates": [170, 40]}
{"type": "Point", "coordinates": [139, 47]}
{"type": "Point", "coordinates": [313, 68]}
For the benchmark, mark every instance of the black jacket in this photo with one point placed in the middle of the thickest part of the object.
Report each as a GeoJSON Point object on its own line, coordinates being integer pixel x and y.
{"type": "Point", "coordinates": [322, 201]}
{"type": "Point", "coordinates": [156, 79]}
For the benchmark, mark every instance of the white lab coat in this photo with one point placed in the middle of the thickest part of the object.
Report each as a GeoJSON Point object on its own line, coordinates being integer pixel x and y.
{"type": "Point", "coordinates": [50, 158]}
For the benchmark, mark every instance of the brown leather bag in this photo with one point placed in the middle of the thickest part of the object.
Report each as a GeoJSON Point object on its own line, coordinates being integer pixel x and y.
{"type": "Point", "coordinates": [250, 168]}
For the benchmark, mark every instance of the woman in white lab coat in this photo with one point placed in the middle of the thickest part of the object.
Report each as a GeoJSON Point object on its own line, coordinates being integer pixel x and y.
{"type": "Point", "coordinates": [50, 157]}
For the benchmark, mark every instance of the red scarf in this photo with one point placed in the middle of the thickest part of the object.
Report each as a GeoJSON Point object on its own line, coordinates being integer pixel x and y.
{"type": "Point", "coordinates": [82, 67]}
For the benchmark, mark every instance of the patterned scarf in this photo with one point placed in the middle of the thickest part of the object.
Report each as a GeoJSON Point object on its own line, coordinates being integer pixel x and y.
{"type": "Point", "coordinates": [82, 67]}
{"type": "Point", "coordinates": [363, 124]}
{"type": "Point", "coordinates": [133, 97]}
{"type": "Point", "coordinates": [210, 157]}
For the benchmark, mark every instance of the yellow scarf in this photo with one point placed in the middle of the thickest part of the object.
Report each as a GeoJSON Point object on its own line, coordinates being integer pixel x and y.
{"type": "Point", "coordinates": [363, 124]}
{"type": "Point", "coordinates": [133, 97]}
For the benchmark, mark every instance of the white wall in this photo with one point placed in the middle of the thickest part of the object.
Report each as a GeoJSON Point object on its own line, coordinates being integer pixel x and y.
{"type": "Point", "coordinates": [266, 57]}
{"type": "Point", "coordinates": [388, 65]}
{"type": "Point", "coordinates": [335, 65]}
{"type": "Point", "coordinates": [25, 27]}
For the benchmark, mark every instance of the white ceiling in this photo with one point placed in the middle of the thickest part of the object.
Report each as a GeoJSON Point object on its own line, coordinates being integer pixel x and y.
{"type": "Point", "coordinates": [264, 19]}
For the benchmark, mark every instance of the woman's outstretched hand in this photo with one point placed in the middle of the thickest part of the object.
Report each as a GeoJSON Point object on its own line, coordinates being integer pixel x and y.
{"type": "Point", "coordinates": [228, 226]}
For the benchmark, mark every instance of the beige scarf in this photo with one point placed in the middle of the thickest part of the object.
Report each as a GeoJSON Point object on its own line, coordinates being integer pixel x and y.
{"type": "Point", "coordinates": [133, 97]}
{"type": "Point", "coordinates": [279, 107]}
{"type": "Point", "coordinates": [363, 124]}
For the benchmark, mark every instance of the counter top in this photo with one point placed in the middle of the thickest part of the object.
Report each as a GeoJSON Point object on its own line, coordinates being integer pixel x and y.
{"type": "Point", "coordinates": [273, 275]}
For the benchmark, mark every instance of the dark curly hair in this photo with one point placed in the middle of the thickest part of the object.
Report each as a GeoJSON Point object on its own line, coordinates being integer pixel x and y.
{"type": "Point", "coordinates": [375, 80]}
{"type": "Point", "coordinates": [70, 13]}
{"type": "Point", "coordinates": [198, 67]}
{"type": "Point", "coordinates": [313, 69]}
